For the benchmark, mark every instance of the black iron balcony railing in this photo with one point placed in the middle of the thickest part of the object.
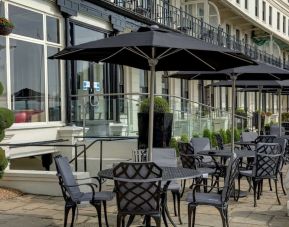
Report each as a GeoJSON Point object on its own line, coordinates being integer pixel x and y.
{"type": "Point", "coordinates": [176, 18]}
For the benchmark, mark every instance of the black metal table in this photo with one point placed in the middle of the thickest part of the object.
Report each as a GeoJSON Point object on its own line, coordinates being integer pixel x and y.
{"type": "Point", "coordinates": [228, 153]}
{"type": "Point", "coordinates": [169, 174]}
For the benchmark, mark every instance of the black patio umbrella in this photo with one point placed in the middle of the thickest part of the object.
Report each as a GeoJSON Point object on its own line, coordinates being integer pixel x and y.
{"type": "Point", "coordinates": [251, 72]}
{"type": "Point", "coordinates": [272, 86]}
{"type": "Point", "coordinates": [154, 49]}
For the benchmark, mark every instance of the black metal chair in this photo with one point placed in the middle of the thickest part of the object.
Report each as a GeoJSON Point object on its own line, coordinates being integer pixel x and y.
{"type": "Point", "coordinates": [72, 194]}
{"type": "Point", "coordinates": [138, 192]}
{"type": "Point", "coordinates": [218, 200]}
{"type": "Point", "coordinates": [265, 139]}
{"type": "Point", "coordinates": [266, 166]}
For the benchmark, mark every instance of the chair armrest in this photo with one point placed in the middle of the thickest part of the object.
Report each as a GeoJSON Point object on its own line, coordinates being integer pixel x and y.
{"type": "Point", "coordinates": [85, 184]}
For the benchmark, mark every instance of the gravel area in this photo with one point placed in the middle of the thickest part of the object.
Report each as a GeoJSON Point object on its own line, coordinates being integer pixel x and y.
{"type": "Point", "coordinates": [9, 193]}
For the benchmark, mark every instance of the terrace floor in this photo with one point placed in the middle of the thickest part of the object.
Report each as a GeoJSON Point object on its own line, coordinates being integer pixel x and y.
{"type": "Point", "coordinates": [46, 211]}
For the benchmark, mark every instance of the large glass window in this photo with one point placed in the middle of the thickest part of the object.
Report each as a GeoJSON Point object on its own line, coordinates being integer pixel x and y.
{"type": "Point", "coordinates": [264, 11]}
{"type": "Point", "coordinates": [27, 23]}
{"type": "Point", "coordinates": [257, 8]}
{"type": "Point", "coordinates": [278, 20]}
{"type": "Point", "coordinates": [35, 80]}
{"type": "Point", "coordinates": [284, 24]}
{"type": "Point", "coordinates": [27, 79]}
{"type": "Point", "coordinates": [270, 15]}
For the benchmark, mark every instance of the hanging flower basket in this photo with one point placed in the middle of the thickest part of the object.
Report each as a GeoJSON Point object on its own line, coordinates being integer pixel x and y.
{"type": "Point", "coordinates": [6, 26]}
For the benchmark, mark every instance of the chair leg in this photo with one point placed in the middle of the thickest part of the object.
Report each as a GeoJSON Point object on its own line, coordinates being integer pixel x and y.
{"type": "Point", "coordinates": [98, 210]}
{"type": "Point", "coordinates": [282, 184]}
{"type": "Point", "coordinates": [66, 212]}
{"type": "Point", "coordinates": [226, 216]}
{"type": "Point", "coordinates": [73, 216]}
{"type": "Point", "coordinates": [119, 220]}
{"type": "Point", "coordinates": [178, 195]}
{"type": "Point", "coordinates": [157, 220]}
{"type": "Point", "coordinates": [183, 188]}
{"type": "Point", "coordinates": [259, 188]}
{"type": "Point", "coordinates": [270, 186]}
{"type": "Point", "coordinates": [275, 180]}
{"type": "Point", "coordinates": [130, 220]}
{"type": "Point", "coordinates": [255, 191]}
{"type": "Point", "coordinates": [191, 215]}
{"type": "Point", "coordinates": [174, 201]}
{"type": "Point", "coordinates": [105, 213]}
{"type": "Point", "coordinates": [223, 216]}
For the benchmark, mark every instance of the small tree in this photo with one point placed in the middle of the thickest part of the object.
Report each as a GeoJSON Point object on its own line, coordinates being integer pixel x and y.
{"type": "Point", "coordinates": [6, 120]}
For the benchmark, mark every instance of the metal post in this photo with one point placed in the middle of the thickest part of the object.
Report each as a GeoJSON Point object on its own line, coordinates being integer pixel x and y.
{"type": "Point", "coordinates": [100, 156]}
{"type": "Point", "coordinates": [84, 156]}
{"type": "Point", "coordinates": [279, 109]}
{"type": "Point", "coordinates": [152, 63]}
{"type": "Point", "coordinates": [259, 115]}
{"type": "Point", "coordinates": [75, 161]}
{"type": "Point", "coordinates": [233, 78]}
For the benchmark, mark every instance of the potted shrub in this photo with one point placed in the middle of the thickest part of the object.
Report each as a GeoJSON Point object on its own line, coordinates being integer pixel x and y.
{"type": "Point", "coordinates": [6, 26]}
{"type": "Point", "coordinates": [163, 120]}
{"type": "Point", "coordinates": [6, 120]}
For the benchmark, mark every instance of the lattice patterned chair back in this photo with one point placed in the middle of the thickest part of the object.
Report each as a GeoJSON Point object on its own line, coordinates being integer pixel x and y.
{"type": "Point", "coordinates": [220, 142]}
{"type": "Point", "coordinates": [189, 161]}
{"type": "Point", "coordinates": [267, 160]}
{"type": "Point", "coordinates": [283, 144]}
{"type": "Point", "coordinates": [265, 139]}
{"type": "Point", "coordinates": [232, 173]}
{"type": "Point", "coordinates": [200, 144]}
{"type": "Point", "coordinates": [185, 148]}
{"type": "Point", "coordinates": [138, 187]}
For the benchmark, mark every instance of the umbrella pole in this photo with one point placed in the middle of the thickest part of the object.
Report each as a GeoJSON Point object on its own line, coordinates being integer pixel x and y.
{"type": "Point", "coordinates": [233, 78]}
{"type": "Point", "coordinates": [152, 63]}
{"type": "Point", "coordinates": [279, 107]}
{"type": "Point", "coordinates": [259, 115]}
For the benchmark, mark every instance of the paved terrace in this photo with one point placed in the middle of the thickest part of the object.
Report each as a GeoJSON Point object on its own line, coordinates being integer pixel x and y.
{"type": "Point", "coordinates": [46, 211]}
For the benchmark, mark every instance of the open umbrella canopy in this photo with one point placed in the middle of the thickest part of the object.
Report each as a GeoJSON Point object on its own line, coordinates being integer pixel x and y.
{"type": "Point", "coordinates": [251, 72]}
{"type": "Point", "coordinates": [255, 84]}
{"type": "Point", "coordinates": [259, 72]}
{"type": "Point", "coordinates": [155, 49]}
{"type": "Point", "coordinates": [173, 51]}
{"type": "Point", "coordinates": [27, 94]}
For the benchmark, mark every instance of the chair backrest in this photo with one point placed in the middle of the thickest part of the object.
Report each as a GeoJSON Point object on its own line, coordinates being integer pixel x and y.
{"type": "Point", "coordinates": [220, 142]}
{"type": "Point", "coordinates": [249, 136]}
{"type": "Point", "coordinates": [275, 130]}
{"type": "Point", "coordinates": [283, 144]}
{"type": "Point", "coordinates": [265, 139]}
{"type": "Point", "coordinates": [137, 187]}
{"type": "Point", "coordinates": [200, 144]}
{"type": "Point", "coordinates": [189, 161]}
{"type": "Point", "coordinates": [66, 179]}
{"type": "Point", "coordinates": [231, 174]}
{"type": "Point", "coordinates": [165, 157]}
{"type": "Point", "coordinates": [185, 148]}
{"type": "Point", "coordinates": [267, 160]}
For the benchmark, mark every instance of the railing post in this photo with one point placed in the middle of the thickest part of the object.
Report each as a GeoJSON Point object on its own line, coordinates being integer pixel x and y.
{"type": "Point", "coordinates": [75, 160]}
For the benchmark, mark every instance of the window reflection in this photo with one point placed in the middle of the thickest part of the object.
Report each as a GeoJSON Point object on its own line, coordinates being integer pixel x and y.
{"type": "Point", "coordinates": [26, 22]}
{"type": "Point", "coordinates": [54, 94]}
{"type": "Point", "coordinates": [52, 29]}
{"type": "Point", "coordinates": [27, 79]}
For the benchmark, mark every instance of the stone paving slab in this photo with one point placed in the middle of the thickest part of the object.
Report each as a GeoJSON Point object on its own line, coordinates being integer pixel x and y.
{"type": "Point", "coordinates": [47, 211]}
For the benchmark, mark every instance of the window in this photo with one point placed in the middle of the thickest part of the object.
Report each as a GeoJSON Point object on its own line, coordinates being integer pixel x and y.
{"type": "Point", "coordinates": [184, 95]}
{"type": "Point", "coordinates": [3, 79]}
{"type": "Point", "coordinates": [143, 81]}
{"type": "Point", "coordinates": [246, 4]}
{"type": "Point", "coordinates": [288, 28]}
{"type": "Point", "coordinates": [165, 85]}
{"type": "Point", "coordinates": [284, 24]}
{"type": "Point", "coordinates": [270, 15]}
{"type": "Point", "coordinates": [257, 8]}
{"type": "Point", "coordinates": [278, 20]}
{"type": "Point", "coordinates": [264, 11]}
{"type": "Point", "coordinates": [35, 80]}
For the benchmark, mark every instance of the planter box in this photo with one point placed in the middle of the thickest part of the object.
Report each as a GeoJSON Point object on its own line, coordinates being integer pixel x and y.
{"type": "Point", "coordinates": [162, 129]}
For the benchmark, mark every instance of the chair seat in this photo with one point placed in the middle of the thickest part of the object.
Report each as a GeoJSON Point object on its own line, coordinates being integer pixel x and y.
{"type": "Point", "coordinates": [246, 173]}
{"type": "Point", "coordinates": [205, 198]}
{"type": "Point", "coordinates": [99, 196]}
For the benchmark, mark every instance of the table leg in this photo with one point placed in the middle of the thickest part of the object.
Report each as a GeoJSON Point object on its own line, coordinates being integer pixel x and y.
{"type": "Point", "coordinates": [165, 210]}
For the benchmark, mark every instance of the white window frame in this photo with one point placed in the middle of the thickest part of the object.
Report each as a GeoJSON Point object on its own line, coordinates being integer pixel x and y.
{"type": "Point", "coordinates": [45, 44]}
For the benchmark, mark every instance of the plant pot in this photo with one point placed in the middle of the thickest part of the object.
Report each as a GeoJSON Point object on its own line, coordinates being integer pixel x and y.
{"type": "Point", "coordinates": [5, 30]}
{"type": "Point", "coordinates": [162, 129]}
